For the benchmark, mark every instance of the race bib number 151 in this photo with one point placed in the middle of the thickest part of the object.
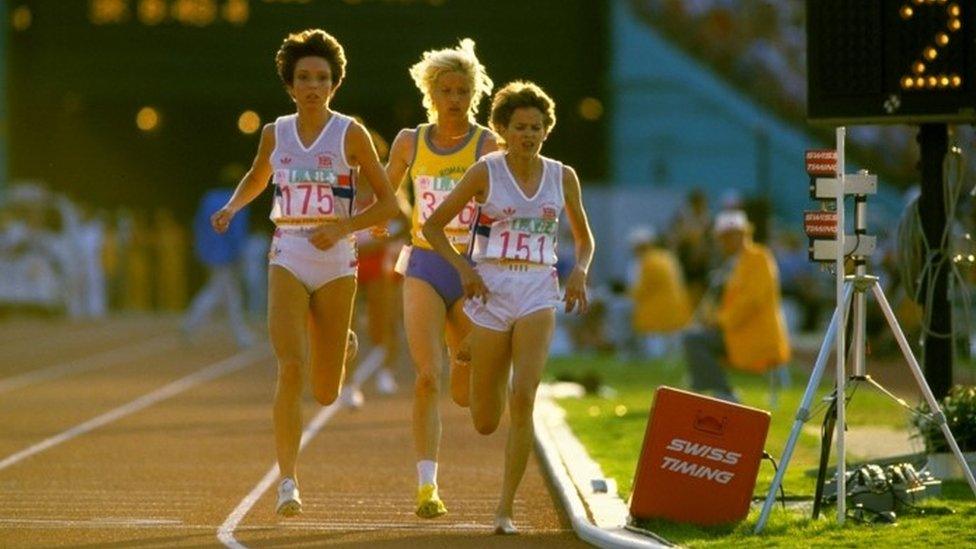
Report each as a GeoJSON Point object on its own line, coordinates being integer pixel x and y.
{"type": "Point", "coordinates": [532, 240]}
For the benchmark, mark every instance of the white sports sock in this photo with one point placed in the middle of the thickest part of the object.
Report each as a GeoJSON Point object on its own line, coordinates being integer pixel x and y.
{"type": "Point", "coordinates": [427, 472]}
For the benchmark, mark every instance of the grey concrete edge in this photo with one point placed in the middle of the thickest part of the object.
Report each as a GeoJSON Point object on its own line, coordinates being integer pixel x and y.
{"type": "Point", "coordinates": [596, 511]}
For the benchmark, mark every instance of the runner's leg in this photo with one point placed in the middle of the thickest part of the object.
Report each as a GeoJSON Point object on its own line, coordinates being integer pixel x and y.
{"type": "Point", "coordinates": [287, 313]}
{"type": "Point", "coordinates": [491, 356]}
{"type": "Point", "coordinates": [328, 326]}
{"type": "Point", "coordinates": [459, 354]}
{"type": "Point", "coordinates": [531, 336]}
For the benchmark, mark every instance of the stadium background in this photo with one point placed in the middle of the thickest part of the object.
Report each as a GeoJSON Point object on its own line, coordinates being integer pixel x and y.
{"type": "Point", "coordinates": [80, 71]}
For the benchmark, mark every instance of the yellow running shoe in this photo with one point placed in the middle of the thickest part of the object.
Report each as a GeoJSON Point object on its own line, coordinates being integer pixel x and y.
{"type": "Point", "coordinates": [429, 504]}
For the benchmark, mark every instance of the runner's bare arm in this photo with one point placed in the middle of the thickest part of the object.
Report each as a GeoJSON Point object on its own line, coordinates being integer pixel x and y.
{"type": "Point", "coordinates": [401, 154]}
{"type": "Point", "coordinates": [583, 238]}
{"type": "Point", "coordinates": [474, 184]}
{"type": "Point", "coordinates": [361, 153]}
{"type": "Point", "coordinates": [251, 185]}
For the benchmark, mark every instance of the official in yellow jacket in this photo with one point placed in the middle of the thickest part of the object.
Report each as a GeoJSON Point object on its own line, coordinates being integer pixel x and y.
{"type": "Point", "coordinates": [661, 304]}
{"type": "Point", "coordinates": [750, 315]}
{"type": "Point", "coordinates": [746, 328]}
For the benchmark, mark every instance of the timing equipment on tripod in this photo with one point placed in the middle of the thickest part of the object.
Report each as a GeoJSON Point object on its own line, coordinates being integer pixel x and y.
{"type": "Point", "coordinates": [852, 293]}
{"type": "Point", "coordinates": [821, 225]}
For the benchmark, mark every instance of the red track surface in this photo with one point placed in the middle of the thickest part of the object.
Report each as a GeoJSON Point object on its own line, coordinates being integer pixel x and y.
{"type": "Point", "coordinates": [171, 472]}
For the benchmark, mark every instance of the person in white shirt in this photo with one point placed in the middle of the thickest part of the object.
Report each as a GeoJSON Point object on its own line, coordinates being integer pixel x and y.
{"type": "Point", "coordinates": [315, 157]}
{"type": "Point", "coordinates": [512, 289]}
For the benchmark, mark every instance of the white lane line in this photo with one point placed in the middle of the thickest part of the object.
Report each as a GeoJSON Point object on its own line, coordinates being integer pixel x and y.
{"type": "Point", "coordinates": [225, 534]}
{"type": "Point", "coordinates": [93, 362]}
{"type": "Point", "coordinates": [93, 523]}
{"type": "Point", "coordinates": [208, 373]}
{"type": "Point", "coordinates": [179, 525]}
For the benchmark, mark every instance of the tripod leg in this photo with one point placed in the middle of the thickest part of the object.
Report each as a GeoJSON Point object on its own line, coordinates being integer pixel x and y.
{"type": "Point", "coordinates": [826, 439]}
{"type": "Point", "coordinates": [922, 384]}
{"type": "Point", "coordinates": [803, 412]}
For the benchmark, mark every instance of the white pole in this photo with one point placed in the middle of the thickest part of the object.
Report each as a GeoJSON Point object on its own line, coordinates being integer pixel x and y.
{"type": "Point", "coordinates": [841, 331]}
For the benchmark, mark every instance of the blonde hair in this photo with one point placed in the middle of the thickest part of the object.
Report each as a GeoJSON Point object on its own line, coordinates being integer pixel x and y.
{"type": "Point", "coordinates": [460, 59]}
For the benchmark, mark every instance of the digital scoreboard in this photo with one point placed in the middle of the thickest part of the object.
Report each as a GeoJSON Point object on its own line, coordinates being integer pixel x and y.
{"type": "Point", "coordinates": [891, 61]}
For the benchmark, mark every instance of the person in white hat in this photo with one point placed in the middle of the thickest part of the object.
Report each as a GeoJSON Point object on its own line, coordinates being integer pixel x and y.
{"type": "Point", "coordinates": [745, 328]}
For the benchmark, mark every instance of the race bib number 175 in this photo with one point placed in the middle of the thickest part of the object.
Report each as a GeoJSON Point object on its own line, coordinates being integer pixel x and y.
{"type": "Point", "coordinates": [310, 196]}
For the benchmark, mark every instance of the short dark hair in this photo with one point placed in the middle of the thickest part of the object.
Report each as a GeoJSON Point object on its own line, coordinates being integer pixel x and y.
{"type": "Point", "coordinates": [518, 95]}
{"type": "Point", "coordinates": [310, 43]}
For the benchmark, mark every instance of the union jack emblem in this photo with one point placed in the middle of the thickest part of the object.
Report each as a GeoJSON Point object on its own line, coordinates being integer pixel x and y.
{"type": "Point", "coordinates": [325, 161]}
{"type": "Point", "coordinates": [549, 213]}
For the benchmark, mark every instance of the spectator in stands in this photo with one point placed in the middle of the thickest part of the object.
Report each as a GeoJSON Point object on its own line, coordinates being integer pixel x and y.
{"type": "Point", "coordinates": [113, 258]}
{"type": "Point", "coordinates": [760, 47]}
{"type": "Point", "coordinates": [689, 240]}
{"type": "Point", "coordinates": [91, 241]}
{"type": "Point", "coordinates": [221, 253]}
{"type": "Point", "coordinates": [138, 264]}
{"type": "Point", "coordinates": [740, 319]}
{"type": "Point", "coordinates": [256, 271]}
{"type": "Point", "coordinates": [65, 241]}
{"type": "Point", "coordinates": [32, 258]}
{"type": "Point", "coordinates": [170, 246]}
{"type": "Point", "coordinates": [660, 298]}
{"type": "Point", "coordinates": [800, 282]}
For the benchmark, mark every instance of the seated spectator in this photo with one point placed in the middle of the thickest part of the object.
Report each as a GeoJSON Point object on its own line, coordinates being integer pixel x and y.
{"type": "Point", "coordinates": [689, 240]}
{"type": "Point", "coordinates": [660, 298]}
{"type": "Point", "coordinates": [740, 319]}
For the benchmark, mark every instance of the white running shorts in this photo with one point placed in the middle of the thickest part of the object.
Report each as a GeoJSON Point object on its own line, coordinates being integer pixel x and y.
{"type": "Point", "coordinates": [312, 267]}
{"type": "Point", "coordinates": [515, 290]}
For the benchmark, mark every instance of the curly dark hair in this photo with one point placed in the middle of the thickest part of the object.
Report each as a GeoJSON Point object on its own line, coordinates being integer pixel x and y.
{"type": "Point", "coordinates": [310, 43]}
{"type": "Point", "coordinates": [517, 95]}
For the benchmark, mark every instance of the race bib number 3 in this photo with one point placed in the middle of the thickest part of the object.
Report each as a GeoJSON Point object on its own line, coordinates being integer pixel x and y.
{"type": "Point", "coordinates": [431, 193]}
{"type": "Point", "coordinates": [532, 240]}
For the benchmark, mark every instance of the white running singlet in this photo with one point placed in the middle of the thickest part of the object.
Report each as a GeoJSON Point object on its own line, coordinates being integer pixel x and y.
{"type": "Point", "coordinates": [313, 185]}
{"type": "Point", "coordinates": [513, 227]}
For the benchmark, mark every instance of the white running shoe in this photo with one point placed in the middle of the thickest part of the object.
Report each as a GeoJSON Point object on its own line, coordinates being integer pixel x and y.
{"type": "Point", "coordinates": [505, 527]}
{"type": "Point", "coordinates": [385, 383]}
{"type": "Point", "coordinates": [351, 398]}
{"type": "Point", "coordinates": [289, 503]}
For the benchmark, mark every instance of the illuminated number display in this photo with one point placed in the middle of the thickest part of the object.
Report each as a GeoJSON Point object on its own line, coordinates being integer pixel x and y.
{"type": "Point", "coordinates": [203, 13]}
{"type": "Point", "coordinates": [193, 13]}
{"type": "Point", "coordinates": [891, 61]}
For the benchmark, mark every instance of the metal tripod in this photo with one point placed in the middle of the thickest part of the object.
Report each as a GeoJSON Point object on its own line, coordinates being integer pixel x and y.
{"type": "Point", "coordinates": [855, 288]}
{"type": "Point", "coordinates": [851, 296]}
